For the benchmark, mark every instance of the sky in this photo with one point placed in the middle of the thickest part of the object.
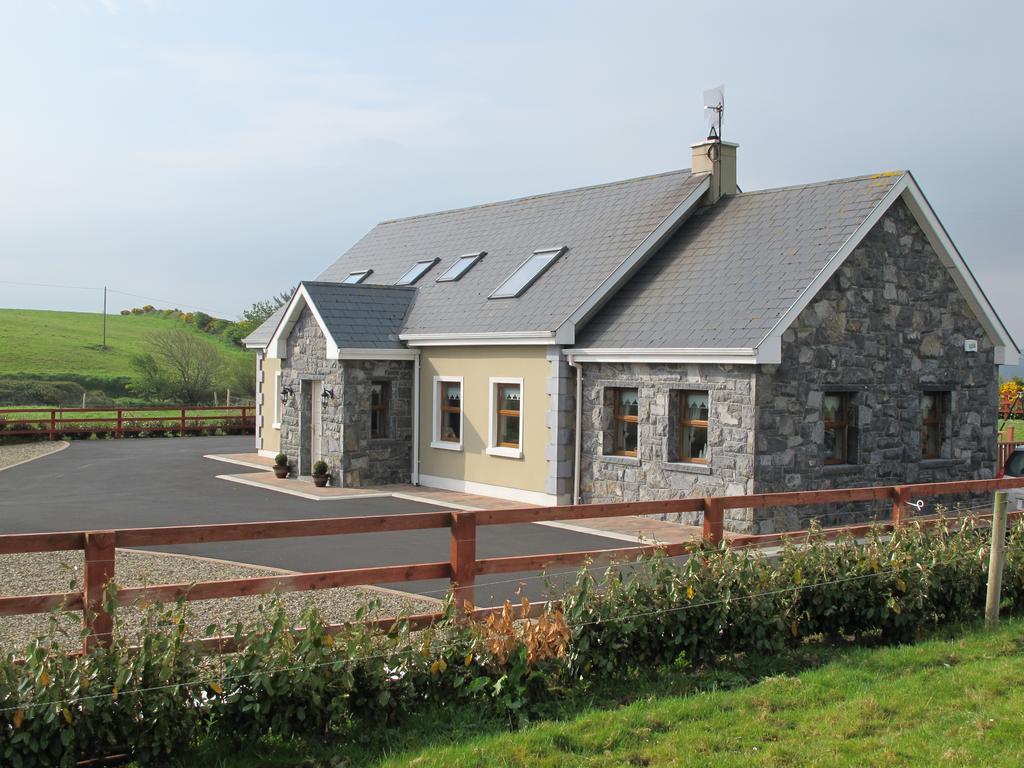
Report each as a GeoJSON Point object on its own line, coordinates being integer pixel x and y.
{"type": "Point", "coordinates": [206, 155]}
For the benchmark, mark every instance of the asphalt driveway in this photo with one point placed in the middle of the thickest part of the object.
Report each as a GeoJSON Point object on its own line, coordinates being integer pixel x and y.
{"type": "Point", "coordinates": [157, 482]}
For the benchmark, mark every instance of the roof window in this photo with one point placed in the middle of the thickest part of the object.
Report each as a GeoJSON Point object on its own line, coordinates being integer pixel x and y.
{"type": "Point", "coordinates": [354, 278]}
{"type": "Point", "coordinates": [527, 272]}
{"type": "Point", "coordinates": [418, 270]}
{"type": "Point", "coordinates": [460, 267]}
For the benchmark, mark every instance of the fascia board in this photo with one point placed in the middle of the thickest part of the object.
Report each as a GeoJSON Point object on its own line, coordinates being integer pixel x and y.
{"type": "Point", "coordinates": [359, 353]}
{"type": "Point", "coordinates": [722, 356]}
{"type": "Point", "coordinates": [476, 339]}
{"type": "Point", "coordinates": [637, 257]}
{"type": "Point", "coordinates": [277, 347]}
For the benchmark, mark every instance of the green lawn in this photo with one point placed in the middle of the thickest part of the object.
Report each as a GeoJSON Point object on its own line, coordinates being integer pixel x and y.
{"type": "Point", "coordinates": [948, 702]}
{"type": "Point", "coordinates": [38, 342]}
{"type": "Point", "coordinates": [1018, 428]}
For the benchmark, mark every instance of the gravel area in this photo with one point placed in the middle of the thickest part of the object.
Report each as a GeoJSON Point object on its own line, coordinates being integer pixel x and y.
{"type": "Point", "coordinates": [62, 571]}
{"type": "Point", "coordinates": [16, 453]}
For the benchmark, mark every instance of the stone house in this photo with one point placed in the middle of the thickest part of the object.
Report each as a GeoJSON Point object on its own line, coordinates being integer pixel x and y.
{"type": "Point", "coordinates": [654, 338]}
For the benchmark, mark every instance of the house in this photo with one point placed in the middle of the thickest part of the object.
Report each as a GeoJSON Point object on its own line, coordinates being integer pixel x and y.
{"type": "Point", "coordinates": [654, 338]}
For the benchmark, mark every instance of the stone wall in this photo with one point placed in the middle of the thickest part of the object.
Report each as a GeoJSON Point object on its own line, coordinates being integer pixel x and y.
{"type": "Point", "coordinates": [888, 326]}
{"type": "Point", "coordinates": [654, 474]}
{"type": "Point", "coordinates": [382, 460]}
{"type": "Point", "coordinates": [353, 459]}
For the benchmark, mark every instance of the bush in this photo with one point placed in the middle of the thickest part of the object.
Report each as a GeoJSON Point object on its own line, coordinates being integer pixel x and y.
{"type": "Point", "coordinates": [281, 460]}
{"type": "Point", "coordinates": [320, 467]}
{"type": "Point", "coordinates": [717, 605]}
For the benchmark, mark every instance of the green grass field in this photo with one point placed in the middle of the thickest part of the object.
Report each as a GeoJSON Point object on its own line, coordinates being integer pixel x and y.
{"type": "Point", "coordinates": [945, 702]}
{"type": "Point", "coordinates": [38, 342]}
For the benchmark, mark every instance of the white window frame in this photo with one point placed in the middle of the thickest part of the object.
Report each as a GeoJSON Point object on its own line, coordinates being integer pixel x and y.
{"type": "Point", "coordinates": [361, 273]}
{"type": "Point", "coordinates": [493, 449]}
{"type": "Point", "coordinates": [277, 400]}
{"type": "Point", "coordinates": [437, 442]}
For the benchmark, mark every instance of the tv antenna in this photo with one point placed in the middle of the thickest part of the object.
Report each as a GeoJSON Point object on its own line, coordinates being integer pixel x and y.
{"type": "Point", "coordinates": [714, 107]}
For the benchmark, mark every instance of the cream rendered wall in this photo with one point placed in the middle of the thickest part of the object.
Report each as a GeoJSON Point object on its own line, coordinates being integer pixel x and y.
{"type": "Point", "coordinates": [476, 366]}
{"type": "Point", "coordinates": [270, 436]}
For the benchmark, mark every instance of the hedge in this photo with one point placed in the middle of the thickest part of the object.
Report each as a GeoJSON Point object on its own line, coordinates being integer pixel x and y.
{"type": "Point", "coordinates": [716, 605]}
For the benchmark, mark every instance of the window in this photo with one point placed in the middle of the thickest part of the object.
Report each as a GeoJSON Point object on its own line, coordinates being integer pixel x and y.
{"type": "Point", "coordinates": [460, 267]}
{"type": "Point", "coordinates": [380, 397]}
{"type": "Point", "coordinates": [840, 432]}
{"type": "Point", "coordinates": [418, 270]}
{"type": "Point", "coordinates": [277, 400]}
{"type": "Point", "coordinates": [447, 413]}
{"type": "Point", "coordinates": [625, 419]}
{"type": "Point", "coordinates": [693, 427]}
{"type": "Point", "coordinates": [527, 272]}
{"type": "Point", "coordinates": [933, 424]}
{"type": "Point", "coordinates": [357, 277]}
{"type": "Point", "coordinates": [506, 426]}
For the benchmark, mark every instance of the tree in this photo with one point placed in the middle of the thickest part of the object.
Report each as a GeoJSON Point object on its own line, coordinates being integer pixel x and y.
{"type": "Point", "coordinates": [178, 365]}
{"type": "Point", "coordinates": [255, 316]}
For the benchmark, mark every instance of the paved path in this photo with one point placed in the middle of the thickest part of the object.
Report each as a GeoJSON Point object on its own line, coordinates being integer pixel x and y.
{"type": "Point", "coordinates": [166, 481]}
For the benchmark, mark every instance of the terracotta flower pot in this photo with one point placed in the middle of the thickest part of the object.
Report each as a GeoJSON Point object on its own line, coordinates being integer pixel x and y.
{"type": "Point", "coordinates": [281, 472]}
{"type": "Point", "coordinates": [320, 481]}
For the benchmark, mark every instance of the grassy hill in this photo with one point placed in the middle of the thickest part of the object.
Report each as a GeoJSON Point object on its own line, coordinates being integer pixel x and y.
{"type": "Point", "coordinates": [39, 344]}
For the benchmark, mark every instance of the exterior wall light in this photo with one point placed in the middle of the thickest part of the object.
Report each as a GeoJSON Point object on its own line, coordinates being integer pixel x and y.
{"type": "Point", "coordinates": [326, 396]}
{"type": "Point", "coordinates": [286, 395]}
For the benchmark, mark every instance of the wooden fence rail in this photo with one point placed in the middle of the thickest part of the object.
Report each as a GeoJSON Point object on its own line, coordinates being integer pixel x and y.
{"type": "Point", "coordinates": [462, 567]}
{"type": "Point", "coordinates": [52, 423]}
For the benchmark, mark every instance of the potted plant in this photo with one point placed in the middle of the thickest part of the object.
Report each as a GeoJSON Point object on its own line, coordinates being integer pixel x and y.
{"type": "Point", "coordinates": [281, 466]}
{"type": "Point", "coordinates": [320, 476]}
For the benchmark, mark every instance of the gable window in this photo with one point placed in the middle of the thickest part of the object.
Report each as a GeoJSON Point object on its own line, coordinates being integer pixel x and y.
{"type": "Point", "coordinates": [416, 271]}
{"type": "Point", "coordinates": [460, 267]}
{"type": "Point", "coordinates": [625, 418]}
{"type": "Point", "coordinates": [693, 427]}
{"type": "Point", "coordinates": [354, 278]}
{"type": "Point", "coordinates": [934, 407]}
{"type": "Point", "coordinates": [380, 398]}
{"type": "Point", "coordinates": [447, 413]}
{"type": "Point", "coordinates": [840, 428]}
{"type": "Point", "coordinates": [506, 426]}
{"type": "Point", "coordinates": [526, 273]}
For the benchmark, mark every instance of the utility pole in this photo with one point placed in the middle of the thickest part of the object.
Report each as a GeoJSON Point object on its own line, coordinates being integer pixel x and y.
{"type": "Point", "coordinates": [996, 559]}
{"type": "Point", "coordinates": [104, 317]}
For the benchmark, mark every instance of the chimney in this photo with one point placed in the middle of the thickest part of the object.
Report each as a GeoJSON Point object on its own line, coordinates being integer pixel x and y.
{"type": "Point", "coordinates": [719, 159]}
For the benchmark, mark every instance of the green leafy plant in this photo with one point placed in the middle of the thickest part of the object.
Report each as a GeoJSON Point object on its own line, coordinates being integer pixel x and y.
{"type": "Point", "coordinates": [281, 460]}
{"type": "Point", "coordinates": [320, 468]}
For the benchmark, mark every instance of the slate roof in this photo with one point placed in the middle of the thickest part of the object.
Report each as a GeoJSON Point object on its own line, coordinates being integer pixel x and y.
{"type": "Point", "coordinates": [362, 316]}
{"type": "Point", "coordinates": [600, 225]}
{"type": "Point", "coordinates": [734, 268]}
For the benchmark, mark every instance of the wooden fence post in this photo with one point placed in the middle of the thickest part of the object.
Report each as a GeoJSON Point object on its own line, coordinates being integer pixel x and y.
{"type": "Point", "coordinates": [53, 423]}
{"type": "Point", "coordinates": [996, 559]}
{"type": "Point", "coordinates": [182, 422]}
{"type": "Point", "coordinates": [463, 560]}
{"type": "Point", "coordinates": [714, 520]}
{"type": "Point", "coordinates": [120, 422]}
{"type": "Point", "coordinates": [899, 499]}
{"type": "Point", "coordinates": [98, 572]}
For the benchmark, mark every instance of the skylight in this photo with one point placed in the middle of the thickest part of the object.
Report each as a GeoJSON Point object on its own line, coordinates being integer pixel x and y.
{"type": "Point", "coordinates": [418, 270]}
{"type": "Point", "coordinates": [527, 272]}
{"type": "Point", "coordinates": [460, 267]}
{"type": "Point", "coordinates": [357, 277]}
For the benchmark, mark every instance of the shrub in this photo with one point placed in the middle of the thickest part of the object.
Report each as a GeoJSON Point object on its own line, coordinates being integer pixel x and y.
{"type": "Point", "coordinates": [281, 460]}
{"type": "Point", "coordinates": [320, 467]}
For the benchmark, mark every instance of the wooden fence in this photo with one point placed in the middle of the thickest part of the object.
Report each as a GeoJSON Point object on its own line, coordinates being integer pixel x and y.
{"type": "Point", "coordinates": [462, 567]}
{"type": "Point", "coordinates": [52, 423]}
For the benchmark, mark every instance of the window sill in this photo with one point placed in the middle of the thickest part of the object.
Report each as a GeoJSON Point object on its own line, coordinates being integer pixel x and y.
{"type": "Point", "coordinates": [444, 445]}
{"type": "Point", "coordinates": [692, 468]}
{"type": "Point", "coordinates": [940, 463]}
{"type": "Point", "coordinates": [840, 469]}
{"type": "Point", "coordinates": [611, 458]}
{"type": "Point", "coordinates": [508, 453]}
{"type": "Point", "coordinates": [276, 425]}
